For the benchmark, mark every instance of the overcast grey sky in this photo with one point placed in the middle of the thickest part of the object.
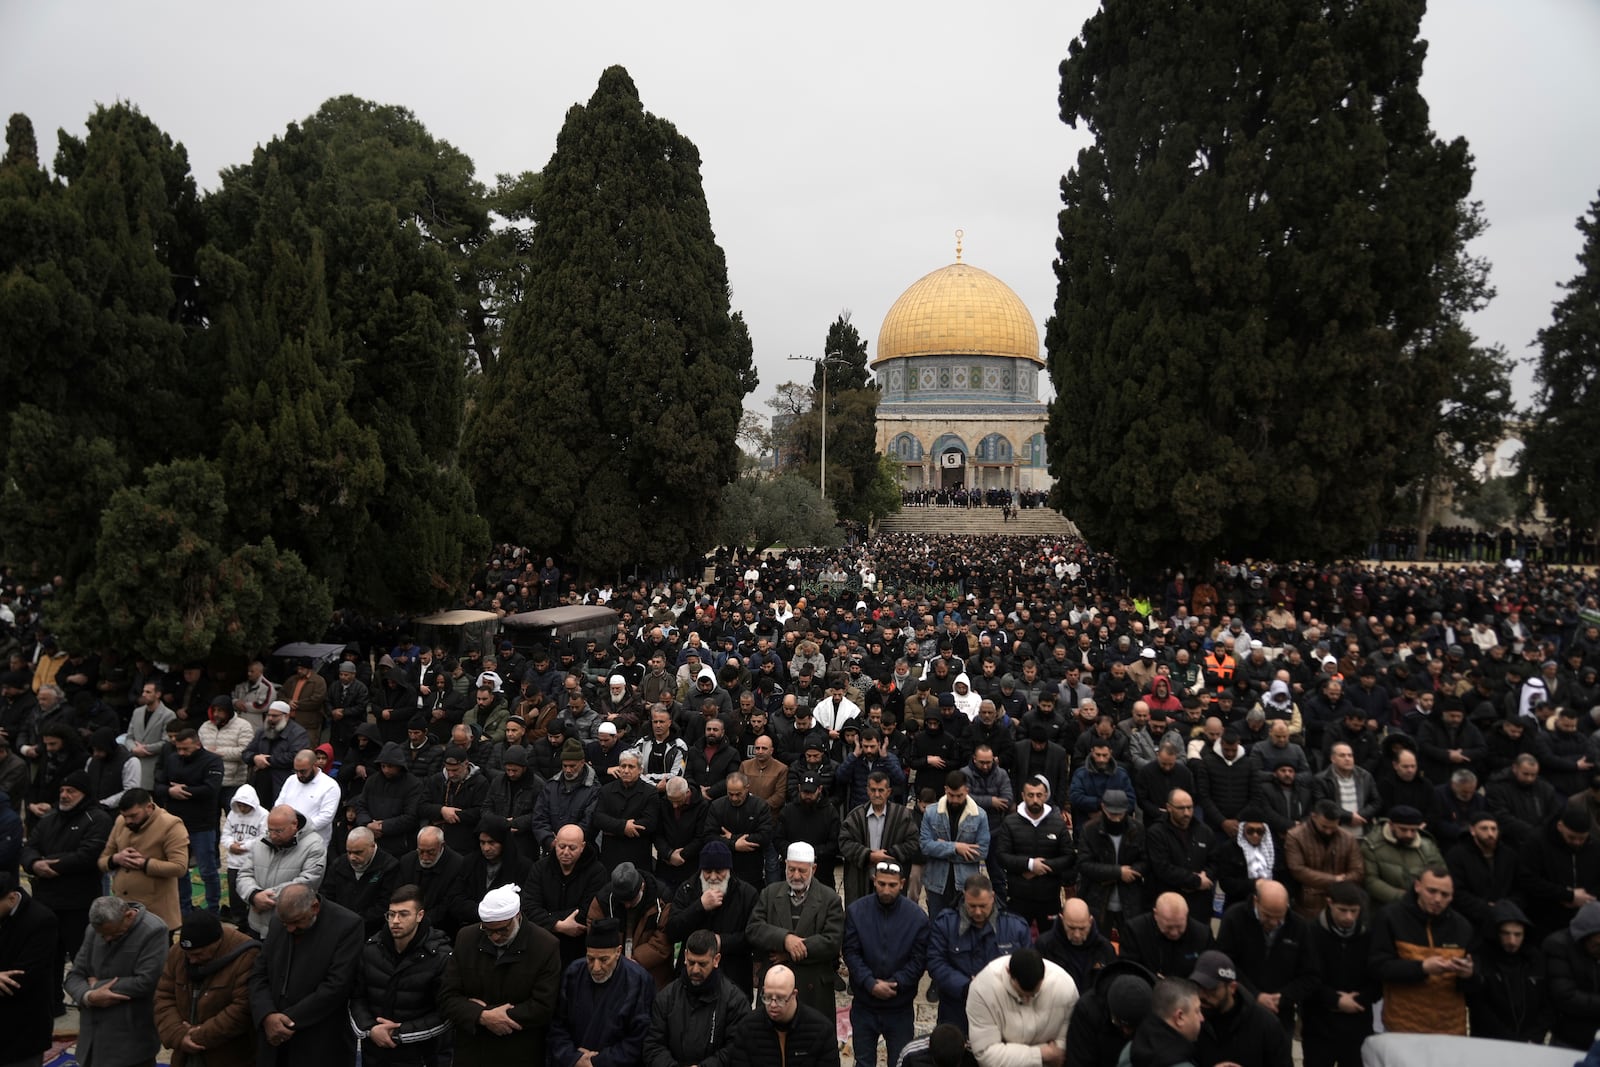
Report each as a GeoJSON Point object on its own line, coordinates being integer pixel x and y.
{"type": "Point", "coordinates": [842, 144]}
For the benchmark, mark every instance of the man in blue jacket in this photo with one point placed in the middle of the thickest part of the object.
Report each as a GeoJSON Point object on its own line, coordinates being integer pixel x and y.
{"type": "Point", "coordinates": [886, 950]}
{"type": "Point", "coordinates": [954, 841]}
{"type": "Point", "coordinates": [963, 940]}
{"type": "Point", "coordinates": [1091, 781]}
{"type": "Point", "coordinates": [604, 1008]}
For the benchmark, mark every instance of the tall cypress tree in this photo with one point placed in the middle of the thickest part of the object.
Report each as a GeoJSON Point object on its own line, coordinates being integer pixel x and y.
{"type": "Point", "coordinates": [1252, 256]}
{"type": "Point", "coordinates": [382, 220]}
{"type": "Point", "coordinates": [96, 290]}
{"type": "Point", "coordinates": [1562, 445]}
{"type": "Point", "coordinates": [607, 429]}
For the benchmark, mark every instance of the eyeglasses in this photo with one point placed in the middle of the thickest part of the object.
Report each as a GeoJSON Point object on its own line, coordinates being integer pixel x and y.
{"type": "Point", "coordinates": [772, 1000]}
{"type": "Point", "coordinates": [887, 867]}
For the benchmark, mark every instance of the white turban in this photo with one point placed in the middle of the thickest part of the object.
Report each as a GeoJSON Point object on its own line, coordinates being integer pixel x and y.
{"type": "Point", "coordinates": [500, 904]}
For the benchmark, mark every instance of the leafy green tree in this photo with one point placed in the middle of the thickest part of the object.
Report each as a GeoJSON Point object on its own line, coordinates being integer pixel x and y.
{"type": "Point", "coordinates": [164, 582]}
{"type": "Point", "coordinates": [1250, 263]}
{"type": "Point", "coordinates": [97, 286]}
{"type": "Point", "coordinates": [607, 428]}
{"type": "Point", "coordinates": [360, 228]}
{"type": "Point", "coordinates": [1493, 502]}
{"type": "Point", "coordinates": [58, 478]}
{"type": "Point", "coordinates": [1471, 416]}
{"type": "Point", "coordinates": [846, 352]}
{"type": "Point", "coordinates": [498, 265]}
{"type": "Point", "coordinates": [297, 464]}
{"type": "Point", "coordinates": [1561, 453]}
{"type": "Point", "coordinates": [852, 427]}
{"type": "Point", "coordinates": [759, 512]}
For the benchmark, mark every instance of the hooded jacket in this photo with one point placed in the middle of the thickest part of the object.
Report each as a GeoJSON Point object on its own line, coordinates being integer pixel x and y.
{"type": "Point", "coordinates": [470, 794]}
{"type": "Point", "coordinates": [966, 702]}
{"type": "Point", "coordinates": [110, 775]}
{"type": "Point", "coordinates": [1512, 1002]}
{"type": "Point", "coordinates": [245, 829]}
{"type": "Point", "coordinates": [1574, 979]}
{"type": "Point", "coordinates": [395, 802]}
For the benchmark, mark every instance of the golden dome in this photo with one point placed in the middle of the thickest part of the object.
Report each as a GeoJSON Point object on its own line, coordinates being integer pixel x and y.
{"type": "Point", "coordinates": [958, 310]}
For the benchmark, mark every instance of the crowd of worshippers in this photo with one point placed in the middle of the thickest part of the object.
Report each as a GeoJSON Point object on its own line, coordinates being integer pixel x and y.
{"type": "Point", "coordinates": [961, 496]}
{"type": "Point", "coordinates": [1183, 822]}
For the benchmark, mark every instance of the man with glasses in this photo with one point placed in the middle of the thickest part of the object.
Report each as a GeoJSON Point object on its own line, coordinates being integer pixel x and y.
{"type": "Point", "coordinates": [395, 1007]}
{"type": "Point", "coordinates": [282, 857]}
{"type": "Point", "coordinates": [603, 1011]}
{"type": "Point", "coordinates": [302, 981]}
{"type": "Point", "coordinates": [500, 984]}
{"type": "Point", "coordinates": [1183, 855]}
{"type": "Point", "coordinates": [1273, 946]}
{"type": "Point", "coordinates": [886, 950]}
{"type": "Point", "coordinates": [784, 1030]}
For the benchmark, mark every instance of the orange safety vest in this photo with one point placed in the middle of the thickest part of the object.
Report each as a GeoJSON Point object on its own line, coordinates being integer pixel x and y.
{"type": "Point", "coordinates": [1221, 669]}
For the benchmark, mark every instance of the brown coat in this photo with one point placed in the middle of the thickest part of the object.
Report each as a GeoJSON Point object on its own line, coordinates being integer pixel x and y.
{"type": "Point", "coordinates": [651, 949]}
{"type": "Point", "coordinates": [225, 1029]}
{"type": "Point", "coordinates": [1315, 865]}
{"type": "Point", "coordinates": [164, 842]}
{"type": "Point", "coordinates": [770, 785]}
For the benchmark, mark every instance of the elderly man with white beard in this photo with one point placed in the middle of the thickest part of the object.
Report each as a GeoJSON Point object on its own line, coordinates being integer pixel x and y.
{"type": "Point", "coordinates": [721, 903]}
{"type": "Point", "coordinates": [269, 757]}
{"type": "Point", "coordinates": [799, 922]}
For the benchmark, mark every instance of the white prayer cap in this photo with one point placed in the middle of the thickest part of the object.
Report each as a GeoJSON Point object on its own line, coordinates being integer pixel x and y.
{"type": "Point", "coordinates": [500, 904]}
{"type": "Point", "coordinates": [801, 852]}
{"type": "Point", "coordinates": [280, 705]}
{"type": "Point", "coordinates": [617, 679]}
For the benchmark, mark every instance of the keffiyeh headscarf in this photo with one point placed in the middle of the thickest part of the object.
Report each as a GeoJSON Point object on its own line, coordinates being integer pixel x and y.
{"type": "Point", "coordinates": [1258, 859]}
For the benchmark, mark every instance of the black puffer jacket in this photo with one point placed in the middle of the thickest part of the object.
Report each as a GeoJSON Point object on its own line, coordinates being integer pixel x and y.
{"type": "Point", "coordinates": [393, 802]}
{"type": "Point", "coordinates": [694, 1025]}
{"type": "Point", "coordinates": [811, 1041]}
{"type": "Point", "coordinates": [401, 986]}
{"type": "Point", "coordinates": [1574, 980]}
{"type": "Point", "coordinates": [74, 840]}
{"type": "Point", "coordinates": [1513, 1001]}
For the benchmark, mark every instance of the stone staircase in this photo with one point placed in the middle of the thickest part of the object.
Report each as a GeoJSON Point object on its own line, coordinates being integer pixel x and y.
{"type": "Point", "coordinates": [1030, 522]}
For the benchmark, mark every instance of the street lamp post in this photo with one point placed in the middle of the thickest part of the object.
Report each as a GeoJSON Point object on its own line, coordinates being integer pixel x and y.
{"type": "Point", "coordinates": [824, 361]}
